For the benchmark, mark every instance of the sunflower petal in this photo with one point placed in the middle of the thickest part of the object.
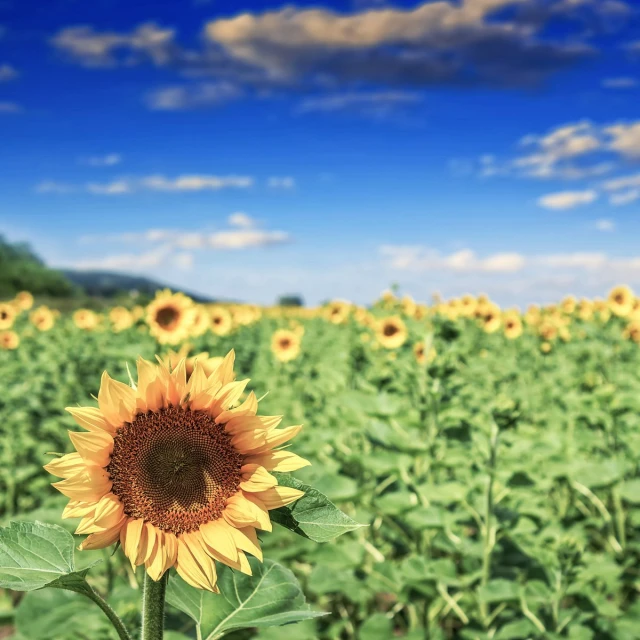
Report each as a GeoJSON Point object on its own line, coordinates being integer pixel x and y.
{"type": "Point", "coordinates": [95, 447]}
{"type": "Point", "coordinates": [77, 509]}
{"type": "Point", "coordinates": [130, 538]}
{"type": "Point", "coordinates": [195, 544]}
{"type": "Point", "coordinates": [87, 486]}
{"type": "Point", "coordinates": [280, 460]}
{"type": "Point", "coordinates": [248, 408]}
{"type": "Point", "coordinates": [217, 536]}
{"type": "Point", "coordinates": [276, 497]}
{"type": "Point", "coordinates": [66, 466]}
{"type": "Point", "coordinates": [256, 478]}
{"type": "Point", "coordinates": [101, 540]}
{"type": "Point", "coordinates": [274, 439]}
{"type": "Point", "coordinates": [91, 419]}
{"type": "Point", "coordinates": [246, 539]}
{"type": "Point", "coordinates": [113, 397]}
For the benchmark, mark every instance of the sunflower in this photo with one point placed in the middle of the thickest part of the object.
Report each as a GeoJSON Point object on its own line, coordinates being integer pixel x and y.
{"type": "Point", "coordinates": [9, 340]}
{"type": "Point", "coordinates": [174, 473]}
{"type": "Point", "coordinates": [568, 304]}
{"type": "Point", "coordinates": [421, 356]}
{"type": "Point", "coordinates": [408, 305]}
{"type": "Point", "coordinates": [170, 316]}
{"type": "Point", "coordinates": [585, 309]}
{"type": "Point", "coordinates": [24, 300]}
{"type": "Point", "coordinates": [468, 305]}
{"type": "Point", "coordinates": [221, 320]}
{"type": "Point", "coordinates": [512, 325]}
{"type": "Point", "coordinates": [8, 314]}
{"type": "Point", "coordinates": [548, 329]}
{"type": "Point", "coordinates": [42, 318]}
{"type": "Point", "coordinates": [490, 320]}
{"type": "Point", "coordinates": [85, 319]}
{"type": "Point", "coordinates": [391, 332]}
{"type": "Point", "coordinates": [337, 311]}
{"type": "Point", "coordinates": [285, 345]}
{"type": "Point", "coordinates": [201, 321]}
{"type": "Point", "coordinates": [121, 318]}
{"type": "Point", "coordinates": [621, 300]}
{"type": "Point", "coordinates": [632, 332]}
{"type": "Point", "coordinates": [545, 347]}
{"type": "Point", "coordinates": [172, 359]}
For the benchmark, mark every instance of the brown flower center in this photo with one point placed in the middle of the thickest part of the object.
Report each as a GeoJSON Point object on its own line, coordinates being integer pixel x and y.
{"type": "Point", "coordinates": [167, 317]}
{"type": "Point", "coordinates": [175, 468]}
{"type": "Point", "coordinates": [3, 315]}
{"type": "Point", "coordinates": [390, 330]}
{"type": "Point", "coordinates": [285, 343]}
{"type": "Point", "coordinates": [619, 298]}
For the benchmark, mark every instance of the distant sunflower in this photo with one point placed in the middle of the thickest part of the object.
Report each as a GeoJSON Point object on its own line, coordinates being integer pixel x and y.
{"type": "Point", "coordinates": [7, 315]}
{"type": "Point", "coordinates": [545, 347]}
{"type": "Point", "coordinates": [201, 321]}
{"type": "Point", "coordinates": [24, 300]}
{"type": "Point", "coordinates": [121, 318]}
{"type": "Point", "coordinates": [568, 304]}
{"type": "Point", "coordinates": [9, 340]}
{"type": "Point", "coordinates": [337, 311]}
{"type": "Point", "coordinates": [172, 360]}
{"type": "Point", "coordinates": [85, 319]}
{"type": "Point", "coordinates": [491, 319]}
{"type": "Point", "coordinates": [421, 356]}
{"type": "Point", "coordinates": [42, 318]}
{"type": "Point", "coordinates": [170, 316]}
{"type": "Point", "coordinates": [391, 332]}
{"type": "Point", "coordinates": [621, 300]}
{"type": "Point", "coordinates": [632, 332]}
{"type": "Point", "coordinates": [174, 473]}
{"type": "Point", "coordinates": [285, 345]}
{"type": "Point", "coordinates": [585, 309]}
{"type": "Point", "coordinates": [221, 321]}
{"type": "Point", "coordinates": [468, 305]}
{"type": "Point", "coordinates": [548, 330]}
{"type": "Point", "coordinates": [512, 325]}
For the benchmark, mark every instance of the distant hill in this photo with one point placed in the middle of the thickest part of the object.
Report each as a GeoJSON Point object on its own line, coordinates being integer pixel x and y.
{"type": "Point", "coordinates": [105, 284]}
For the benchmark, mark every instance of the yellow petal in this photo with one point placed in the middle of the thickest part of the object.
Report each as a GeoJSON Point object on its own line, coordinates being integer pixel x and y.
{"type": "Point", "coordinates": [147, 541]}
{"type": "Point", "coordinates": [224, 372]}
{"type": "Point", "coordinates": [95, 447]}
{"type": "Point", "coordinates": [259, 511]}
{"type": "Point", "coordinates": [198, 380]}
{"type": "Point", "coordinates": [249, 440]}
{"type": "Point", "coordinates": [256, 478]}
{"type": "Point", "coordinates": [251, 423]}
{"type": "Point", "coordinates": [130, 538]}
{"type": "Point", "coordinates": [156, 561]}
{"type": "Point", "coordinates": [190, 569]}
{"type": "Point", "coordinates": [275, 438]}
{"type": "Point", "coordinates": [116, 400]}
{"type": "Point", "coordinates": [91, 419]}
{"type": "Point", "coordinates": [66, 466]}
{"type": "Point", "coordinates": [276, 497]}
{"type": "Point", "coordinates": [87, 486]}
{"type": "Point", "coordinates": [217, 535]}
{"type": "Point", "coordinates": [109, 512]}
{"type": "Point", "coordinates": [227, 397]}
{"type": "Point", "coordinates": [246, 539]}
{"type": "Point", "coordinates": [281, 460]}
{"type": "Point", "coordinates": [248, 408]}
{"type": "Point", "coordinates": [76, 509]}
{"type": "Point", "coordinates": [238, 513]}
{"type": "Point", "coordinates": [101, 540]}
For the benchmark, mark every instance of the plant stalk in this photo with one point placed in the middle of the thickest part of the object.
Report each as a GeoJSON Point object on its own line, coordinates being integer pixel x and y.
{"type": "Point", "coordinates": [153, 595]}
{"type": "Point", "coordinates": [118, 625]}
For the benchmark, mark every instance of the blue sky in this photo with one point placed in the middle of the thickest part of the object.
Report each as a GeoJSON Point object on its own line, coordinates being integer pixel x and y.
{"type": "Point", "coordinates": [250, 150]}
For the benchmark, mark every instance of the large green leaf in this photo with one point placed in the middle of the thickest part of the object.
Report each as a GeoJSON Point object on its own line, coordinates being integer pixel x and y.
{"type": "Point", "coordinates": [313, 516]}
{"type": "Point", "coordinates": [35, 555]}
{"type": "Point", "coordinates": [270, 597]}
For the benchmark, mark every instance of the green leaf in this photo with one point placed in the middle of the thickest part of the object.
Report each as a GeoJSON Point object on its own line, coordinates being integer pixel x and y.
{"type": "Point", "coordinates": [35, 555]}
{"type": "Point", "coordinates": [499, 590]}
{"type": "Point", "coordinates": [270, 597]}
{"type": "Point", "coordinates": [313, 516]}
{"type": "Point", "coordinates": [377, 627]}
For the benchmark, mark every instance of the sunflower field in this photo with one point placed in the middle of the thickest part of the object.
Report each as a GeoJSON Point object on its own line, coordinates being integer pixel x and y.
{"type": "Point", "coordinates": [486, 462]}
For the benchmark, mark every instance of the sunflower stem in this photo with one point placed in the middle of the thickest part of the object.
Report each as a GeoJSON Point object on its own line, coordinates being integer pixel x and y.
{"type": "Point", "coordinates": [153, 595]}
{"type": "Point", "coordinates": [118, 625]}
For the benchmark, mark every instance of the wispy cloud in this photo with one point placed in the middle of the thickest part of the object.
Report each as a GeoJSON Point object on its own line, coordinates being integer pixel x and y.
{"type": "Point", "coordinates": [107, 160]}
{"type": "Point", "coordinates": [196, 96]}
{"type": "Point", "coordinates": [370, 103]}
{"type": "Point", "coordinates": [281, 182]}
{"type": "Point", "coordinates": [567, 199]}
{"type": "Point", "coordinates": [605, 225]}
{"type": "Point", "coordinates": [51, 186]}
{"type": "Point", "coordinates": [10, 107]}
{"type": "Point", "coordinates": [7, 72]}
{"type": "Point", "coordinates": [620, 83]}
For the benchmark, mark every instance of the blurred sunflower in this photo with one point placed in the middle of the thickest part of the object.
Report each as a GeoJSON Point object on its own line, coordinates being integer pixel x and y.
{"type": "Point", "coordinates": [585, 309]}
{"type": "Point", "coordinates": [620, 300]}
{"type": "Point", "coordinates": [42, 318]}
{"type": "Point", "coordinates": [512, 325]}
{"type": "Point", "coordinates": [337, 311]}
{"type": "Point", "coordinates": [491, 319]}
{"type": "Point", "coordinates": [7, 315]}
{"type": "Point", "coordinates": [285, 345]}
{"type": "Point", "coordinates": [548, 329]}
{"type": "Point", "coordinates": [174, 473]}
{"type": "Point", "coordinates": [545, 347]}
{"type": "Point", "coordinates": [24, 300]}
{"type": "Point", "coordinates": [421, 356]}
{"type": "Point", "coordinates": [221, 320]}
{"type": "Point", "coordinates": [172, 360]}
{"type": "Point", "coordinates": [170, 316]}
{"type": "Point", "coordinates": [201, 321]}
{"type": "Point", "coordinates": [121, 319]}
{"type": "Point", "coordinates": [632, 332]}
{"type": "Point", "coordinates": [408, 306]}
{"type": "Point", "coordinates": [391, 332]}
{"type": "Point", "coordinates": [85, 319]}
{"type": "Point", "coordinates": [9, 340]}
{"type": "Point", "coordinates": [568, 304]}
{"type": "Point", "coordinates": [468, 305]}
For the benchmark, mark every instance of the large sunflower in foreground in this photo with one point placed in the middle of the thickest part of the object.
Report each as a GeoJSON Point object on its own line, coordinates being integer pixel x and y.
{"type": "Point", "coordinates": [170, 316]}
{"type": "Point", "coordinates": [176, 472]}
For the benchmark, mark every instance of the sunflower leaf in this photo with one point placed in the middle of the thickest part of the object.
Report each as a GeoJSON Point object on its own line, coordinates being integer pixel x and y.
{"type": "Point", "coordinates": [34, 555]}
{"type": "Point", "coordinates": [313, 516]}
{"type": "Point", "coordinates": [270, 597]}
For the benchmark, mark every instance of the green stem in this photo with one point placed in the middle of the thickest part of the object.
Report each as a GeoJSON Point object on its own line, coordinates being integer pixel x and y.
{"type": "Point", "coordinates": [153, 595]}
{"type": "Point", "coordinates": [118, 625]}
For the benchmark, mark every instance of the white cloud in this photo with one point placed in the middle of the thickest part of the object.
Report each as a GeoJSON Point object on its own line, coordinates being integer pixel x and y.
{"type": "Point", "coordinates": [107, 160]}
{"type": "Point", "coordinates": [605, 225]}
{"type": "Point", "coordinates": [567, 199]}
{"type": "Point", "coordinates": [623, 182]}
{"type": "Point", "coordinates": [624, 197]}
{"type": "Point", "coordinates": [7, 72]}
{"type": "Point", "coordinates": [93, 49]}
{"type": "Point", "coordinates": [10, 107]}
{"type": "Point", "coordinates": [245, 238]}
{"type": "Point", "coordinates": [195, 182]}
{"type": "Point", "coordinates": [126, 261]}
{"type": "Point", "coordinates": [376, 103]}
{"type": "Point", "coordinates": [203, 94]}
{"type": "Point", "coordinates": [625, 139]}
{"type": "Point", "coordinates": [242, 220]}
{"type": "Point", "coordinates": [619, 83]}
{"type": "Point", "coordinates": [283, 182]}
{"type": "Point", "coordinates": [51, 186]}
{"type": "Point", "coordinates": [115, 188]}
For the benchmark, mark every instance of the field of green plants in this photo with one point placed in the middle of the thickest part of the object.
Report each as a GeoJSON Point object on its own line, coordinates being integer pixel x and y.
{"type": "Point", "coordinates": [499, 482]}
